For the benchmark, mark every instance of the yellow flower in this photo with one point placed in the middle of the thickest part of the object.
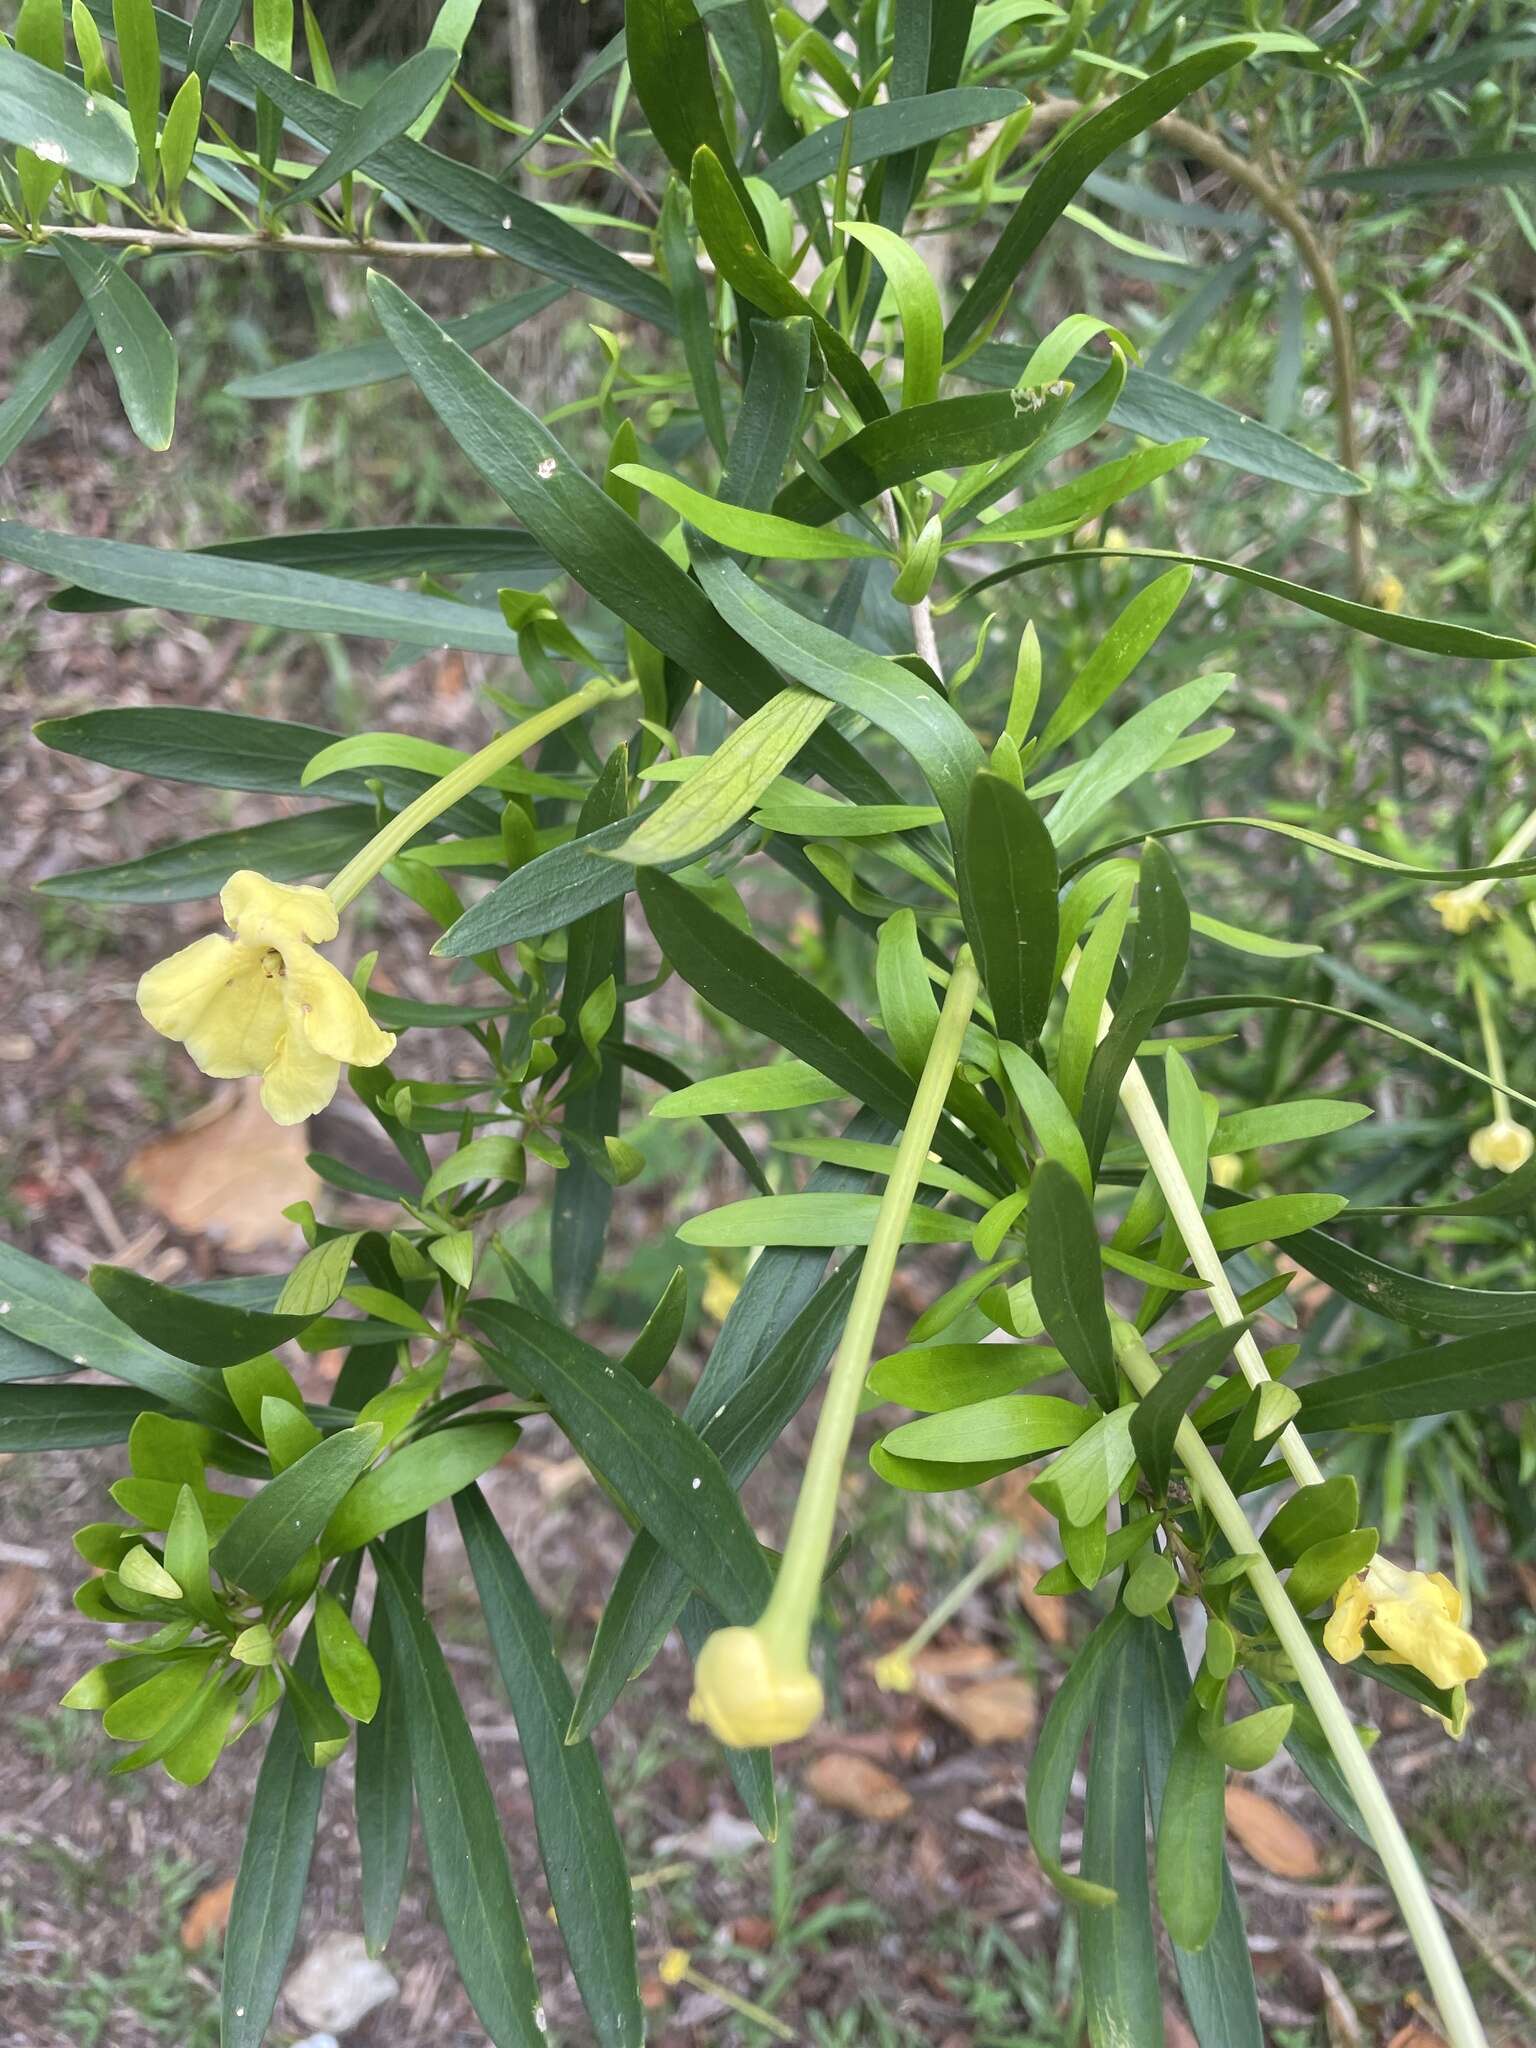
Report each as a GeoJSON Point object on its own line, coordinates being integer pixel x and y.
{"type": "Point", "coordinates": [1503, 1143]}
{"type": "Point", "coordinates": [748, 1696]}
{"type": "Point", "coordinates": [673, 1967]}
{"type": "Point", "coordinates": [1461, 910]}
{"type": "Point", "coordinates": [265, 1002]}
{"type": "Point", "coordinates": [894, 1673]}
{"type": "Point", "coordinates": [1386, 590]}
{"type": "Point", "coordinates": [1416, 1616]}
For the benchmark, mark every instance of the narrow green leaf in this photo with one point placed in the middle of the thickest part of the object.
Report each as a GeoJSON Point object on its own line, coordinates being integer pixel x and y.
{"type": "Point", "coordinates": [479, 207]}
{"type": "Point", "coordinates": [1191, 1861]}
{"type": "Point", "coordinates": [1157, 1416]}
{"type": "Point", "coordinates": [952, 433]}
{"type": "Point", "coordinates": [1086, 497]}
{"type": "Point", "coordinates": [135, 340]}
{"type": "Point", "coordinates": [287, 850]}
{"type": "Point", "coordinates": [212, 27]}
{"type": "Point", "coordinates": [668, 56]}
{"type": "Point", "coordinates": [1128, 639]}
{"type": "Point", "coordinates": [729, 784]}
{"type": "Point", "coordinates": [39, 380]}
{"type": "Point", "coordinates": [917, 305]}
{"type": "Point", "coordinates": [466, 1849]}
{"type": "Point", "coordinates": [1401, 629]}
{"type": "Point", "coordinates": [1217, 1982]}
{"type": "Point", "coordinates": [382, 117]}
{"type": "Point", "coordinates": [419, 1475]}
{"type": "Point", "coordinates": [739, 258]}
{"type": "Point", "coordinates": [1131, 751]}
{"type": "Point", "coordinates": [937, 1377]}
{"type": "Point", "coordinates": [1068, 1278]}
{"type": "Point", "coordinates": [138, 55]}
{"type": "Point", "coordinates": [1084, 147]}
{"type": "Point", "coordinates": [578, 1839]}
{"type": "Point", "coordinates": [1007, 877]}
{"type": "Point", "coordinates": [665, 1475]}
{"type": "Point", "coordinates": [786, 1084]}
{"type": "Point", "coordinates": [1480, 1371]}
{"type": "Point", "coordinates": [1157, 968]}
{"type": "Point", "coordinates": [1122, 1998]}
{"type": "Point", "coordinates": [190, 1326]}
{"type": "Point", "coordinates": [275, 1527]}
{"type": "Point", "coordinates": [68, 1417]}
{"type": "Point", "coordinates": [49, 114]}
{"type": "Point", "coordinates": [1054, 1762]}
{"type": "Point", "coordinates": [274, 1870]}
{"type": "Point", "coordinates": [751, 533]}
{"type": "Point", "coordinates": [48, 1309]}
{"type": "Point", "coordinates": [871, 133]}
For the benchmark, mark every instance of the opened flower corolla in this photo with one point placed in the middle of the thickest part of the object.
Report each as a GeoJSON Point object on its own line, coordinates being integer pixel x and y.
{"type": "Point", "coordinates": [265, 1002]}
{"type": "Point", "coordinates": [1415, 1618]}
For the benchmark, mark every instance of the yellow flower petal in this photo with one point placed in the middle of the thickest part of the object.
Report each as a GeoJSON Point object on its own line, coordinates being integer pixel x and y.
{"type": "Point", "coordinates": [263, 913]}
{"type": "Point", "coordinates": [298, 1082]}
{"type": "Point", "coordinates": [1344, 1636]}
{"type": "Point", "coordinates": [218, 999]}
{"type": "Point", "coordinates": [1423, 1630]}
{"type": "Point", "coordinates": [1503, 1143]}
{"type": "Point", "coordinates": [748, 1695]}
{"type": "Point", "coordinates": [332, 1016]}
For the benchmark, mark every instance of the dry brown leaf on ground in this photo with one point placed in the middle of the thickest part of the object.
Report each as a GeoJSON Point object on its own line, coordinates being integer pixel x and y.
{"type": "Point", "coordinates": [1416, 2035]}
{"type": "Point", "coordinates": [995, 1710]}
{"type": "Point", "coordinates": [18, 1589]}
{"type": "Point", "coordinates": [207, 1915]}
{"type": "Point", "coordinates": [228, 1173]}
{"type": "Point", "coordinates": [855, 1785]}
{"type": "Point", "coordinates": [943, 1663]}
{"type": "Point", "coordinates": [1270, 1836]}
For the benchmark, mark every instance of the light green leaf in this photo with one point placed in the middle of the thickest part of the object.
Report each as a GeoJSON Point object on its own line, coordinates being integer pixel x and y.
{"type": "Point", "coordinates": [917, 304]}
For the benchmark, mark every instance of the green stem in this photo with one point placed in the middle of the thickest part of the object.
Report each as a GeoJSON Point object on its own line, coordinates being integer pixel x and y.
{"type": "Point", "coordinates": [1516, 844]}
{"type": "Point", "coordinates": [1493, 1051]}
{"type": "Point", "coordinates": [1184, 1208]}
{"type": "Point", "coordinates": [996, 1559]}
{"type": "Point", "coordinates": [786, 1620]}
{"type": "Point", "coordinates": [1462, 2027]}
{"type": "Point", "coordinates": [401, 829]}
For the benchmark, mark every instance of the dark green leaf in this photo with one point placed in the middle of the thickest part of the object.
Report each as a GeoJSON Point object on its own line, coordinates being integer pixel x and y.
{"type": "Point", "coordinates": [1054, 1762]}
{"type": "Point", "coordinates": [727, 233]}
{"type": "Point", "coordinates": [38, 105]}
{"type": "Point", "coordinates": [1191, 1860]}
{"type": "Point", "coordinates": [1313, 1514]}
{"type": "Point", "coordinates": [1007, 877]}
{"type": "Point", "coordinates": [1157, 968]}
{"type": "Point", "coordinates": [1069, 1278]}
{"type": "Point", "coordinates": [1480, 1371]}
{"type": "Point", "coordinates": [276, 1526]}
{"type": "Point", "coordinates": [473, 205]}
{"type": "Point", "coordinates": [1155, 1423]}
{"type": "Point", "coordinates": [1217, 1981]}
{"type": "Point", "coordinates": [578, 1840]}
{"type": "Point", "coordinates": [68, 1417]}
{"type": "Point", "coordinates": [591, 536]}
{"type": "Point", "coordinates": [257, 593]}
{"type": "Point", "coordinates": [384, 115]}
{"type": "Point", "coordinates": [40, 378]}
{"type": "Point", "coordinates": [287, 850]}
{"type": "Point", "coordinates": [647, 1357]}
{"type": "Point", "coordinates": [951, 433]}
{"type": "Point", "coordinates": [1053, 187]}
{"type": "Point", "coordinates": [1160, 410]}
{"type": "Point", "coordinates": [1122, 1998]}
{"type": "Point", "coordinates": [212, 27]}
{"type": "Point", "coordinates": [669, 67]}
{"type": "Point", "coordinates": [1421, 177]}
{"type": "Point", "coordinates": [736, 974]}
{"type": "Point", "coordinates": [134, 339]}
{"type": "Point", "coordinates": [47, 1308]}
{"type": "Point", "coordinates": [885, 130]}
{"type": "Point", "coordinates": [667, 1478]}
{"type": "Point", "coordinates": [189, 1326]}
{"type": "Point", "coordinates": [471, 1874]}
{"type": "Point", "coordinates": [916, 717]}
{"type": "Point", "coordinates": [1401, 629]}
{"type": "Point", "coordinates": [361, 551]}
{"type": "Point", "coordinates": [274, 1869]}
